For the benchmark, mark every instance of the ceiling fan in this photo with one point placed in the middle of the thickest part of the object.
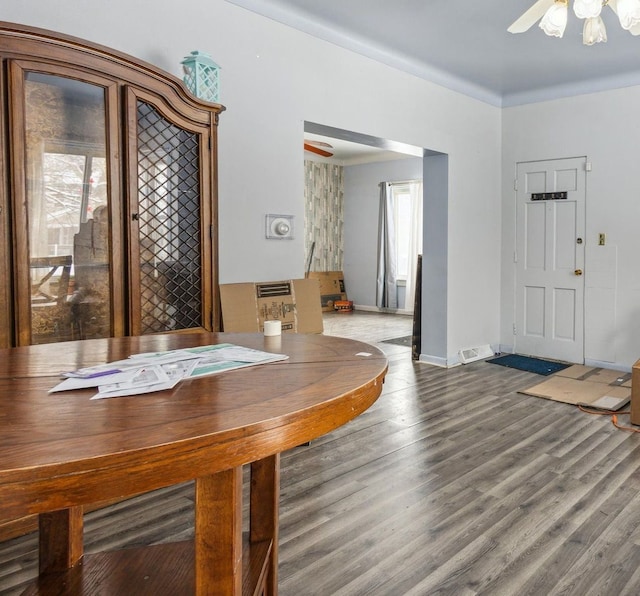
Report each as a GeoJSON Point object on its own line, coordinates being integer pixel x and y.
{"type": "Point", "coordinates": [316, 147]}
{"type": "Point", "coordinates": [553, 17]}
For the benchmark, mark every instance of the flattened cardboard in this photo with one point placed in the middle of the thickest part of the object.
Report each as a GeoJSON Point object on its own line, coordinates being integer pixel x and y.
{"type": "Point", "coordinates": [294, 302]}
{"type": "Point", "coordinates": [596, 375]}
{"type": "Point", "coordinates": [595, 387]}
{"type": "Point", "coordinates": [331, 287]}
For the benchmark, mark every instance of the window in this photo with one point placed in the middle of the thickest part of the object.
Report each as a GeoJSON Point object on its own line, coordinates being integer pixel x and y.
{"type": "Point", "coordinates": [399, 243]}
{"type": "Point", "coordinates": [407, 202]}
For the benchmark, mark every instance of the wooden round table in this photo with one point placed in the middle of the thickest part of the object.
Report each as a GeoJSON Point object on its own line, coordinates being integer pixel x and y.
{"type": "Point", "coordinates": [61, 451]}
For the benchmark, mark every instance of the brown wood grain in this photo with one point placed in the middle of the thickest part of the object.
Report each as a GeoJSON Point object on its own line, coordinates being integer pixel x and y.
{"type": "Point", "coordinates": [62, 451]}
{"type": "Point", "coordinates": [406, 498]}
{"type": "Point", "coordinates": [6, 309]}
{"type": "Point", "coordinates": [70, 450]}
{"type": "Point", "coordinates": [264, 513]}
{"type": "Point", "coordinates": [125, 80]}
{"type": "Point", "coordinates": [60, 539]}
{"type": "Point", "coordinates": [218, 533]}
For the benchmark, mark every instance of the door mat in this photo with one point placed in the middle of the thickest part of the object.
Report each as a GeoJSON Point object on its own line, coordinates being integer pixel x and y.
{"type": "Point", "coordinates": [399, 341]}
{"type": "Point", "coordinates": [534, 365]}
{"type": "Point", "coordinates": [599, 388]}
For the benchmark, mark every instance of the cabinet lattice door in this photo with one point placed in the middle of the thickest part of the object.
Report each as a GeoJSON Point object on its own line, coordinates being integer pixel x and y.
{"type": "Point", "coordinates": [169, 224]}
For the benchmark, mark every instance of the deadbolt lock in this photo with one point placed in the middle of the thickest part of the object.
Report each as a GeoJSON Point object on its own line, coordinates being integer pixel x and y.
{"type": "Point", "coordinates": [579, 241]}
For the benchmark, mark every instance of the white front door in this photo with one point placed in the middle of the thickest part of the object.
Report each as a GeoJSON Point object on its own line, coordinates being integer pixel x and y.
{"type": "Point", "coordinates": [550, 226]}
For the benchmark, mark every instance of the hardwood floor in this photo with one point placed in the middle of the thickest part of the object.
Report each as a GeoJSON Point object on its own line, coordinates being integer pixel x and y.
{"type": "Point", "coordinates": [452, 483]}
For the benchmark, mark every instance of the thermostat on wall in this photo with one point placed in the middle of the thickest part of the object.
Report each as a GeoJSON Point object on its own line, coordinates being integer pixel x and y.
{"type": "Point", "coordinates": [279, 227]}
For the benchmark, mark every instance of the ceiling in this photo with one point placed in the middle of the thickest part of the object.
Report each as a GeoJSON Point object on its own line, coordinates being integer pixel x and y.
{"type": "Point", "coordinates": [464, 45]}
{"type": "Point", "coordinates": [350, 148]}
{"type": "Point", "coordinates": [348, 153]}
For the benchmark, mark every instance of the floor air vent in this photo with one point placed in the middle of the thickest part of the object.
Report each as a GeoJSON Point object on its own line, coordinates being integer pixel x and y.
{"type": "Point", "coordinates": [473, 354]}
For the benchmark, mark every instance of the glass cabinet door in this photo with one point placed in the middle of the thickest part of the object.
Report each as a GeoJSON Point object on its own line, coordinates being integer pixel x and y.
{"type": "Point", "coordinates": [65, 252]}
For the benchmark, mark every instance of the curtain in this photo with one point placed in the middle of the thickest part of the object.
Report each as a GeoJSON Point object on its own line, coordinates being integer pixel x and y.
{"type": "Point", "coordinates": [386, 286]}
{"type": "Point", "coordinates": [415, 242]}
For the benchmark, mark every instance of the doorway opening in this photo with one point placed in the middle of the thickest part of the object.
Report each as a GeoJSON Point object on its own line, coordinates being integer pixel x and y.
{"type": "Point", "coordinates": [342, 206]}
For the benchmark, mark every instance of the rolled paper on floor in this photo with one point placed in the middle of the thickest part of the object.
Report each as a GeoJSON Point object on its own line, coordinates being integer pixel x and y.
{"type": "Point", "coordinates": [272, 328]}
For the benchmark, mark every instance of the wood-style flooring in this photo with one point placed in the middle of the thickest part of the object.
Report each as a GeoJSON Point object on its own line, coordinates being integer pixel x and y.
{"type": "Point", "coordinates": [452, 483]}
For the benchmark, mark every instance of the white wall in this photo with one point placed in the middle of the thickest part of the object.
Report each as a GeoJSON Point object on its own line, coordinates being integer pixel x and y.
{"type": "Point", "coordinates": [361, 211]}
{"type": "Point", "coordinates": [605, 128]}
{"type": "Point", "coordinates": [273, 79]}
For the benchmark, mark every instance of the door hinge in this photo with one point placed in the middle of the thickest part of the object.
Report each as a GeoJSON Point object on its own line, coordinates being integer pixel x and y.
{"type": "Point", "coordinates": [515, 184]}
{"type": "Point", "coordinates": [587, 166]}
{"type": "Point", "coordinates": [514, 329]}
{"type": "Point", "coordinates": [515, 256]}
{"type": "Point", "coordinates": [212, 232]}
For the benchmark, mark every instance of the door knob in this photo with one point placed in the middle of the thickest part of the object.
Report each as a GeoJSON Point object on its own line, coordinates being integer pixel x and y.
{"type": "Point", "coordinates": [578, 272]}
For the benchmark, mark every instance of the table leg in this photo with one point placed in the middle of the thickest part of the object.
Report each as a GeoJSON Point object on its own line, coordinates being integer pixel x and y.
{"type": "Point", "coordinates": [60, 537]}
{"type": "Point", "coordinates": [218, 534]}
{"type": "Point", "coordinates": [264, 512]}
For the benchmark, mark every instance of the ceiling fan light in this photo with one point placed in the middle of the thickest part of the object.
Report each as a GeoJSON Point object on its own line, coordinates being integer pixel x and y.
{"type": "Point", "coordinates": [628, 13]}
{"type": "Point", "coordinates": [594, 31]}
{"type": "Point", "coordinates": [554, 21]}
{"type": "Point", "coordinates": [587, 9]}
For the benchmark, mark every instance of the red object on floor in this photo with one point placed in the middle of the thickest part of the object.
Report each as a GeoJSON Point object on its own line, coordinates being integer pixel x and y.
{"type": "Point", "coordinates": [343, 305]}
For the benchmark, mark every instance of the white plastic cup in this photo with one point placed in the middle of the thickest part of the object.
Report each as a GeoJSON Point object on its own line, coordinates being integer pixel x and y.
{"type": "Point", "coordinates": [272, 328]}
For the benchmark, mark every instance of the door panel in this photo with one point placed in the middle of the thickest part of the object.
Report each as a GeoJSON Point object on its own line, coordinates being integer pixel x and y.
{"type": "Point", "coordinates": [535, 224]}
{"type": "Point", "coordinates": [549, 259]}
{"type": "Point", "coordinates": [534, 311]}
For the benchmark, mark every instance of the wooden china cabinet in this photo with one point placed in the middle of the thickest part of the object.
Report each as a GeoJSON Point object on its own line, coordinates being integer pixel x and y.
{"type": "Point", "coordinates": [108, 204]}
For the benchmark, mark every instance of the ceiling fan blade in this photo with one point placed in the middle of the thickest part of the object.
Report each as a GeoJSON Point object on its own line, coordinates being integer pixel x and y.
{"type": "Point", "coordinates": [319, 144]}
{"type": "Point", "coordinates": [529, 18]}
{"type": "Point", "coordinates": [308, 147]}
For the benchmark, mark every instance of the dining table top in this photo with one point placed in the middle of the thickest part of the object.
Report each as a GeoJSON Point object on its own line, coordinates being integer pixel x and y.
{"type": "Point", "coordinates": [59, 450]}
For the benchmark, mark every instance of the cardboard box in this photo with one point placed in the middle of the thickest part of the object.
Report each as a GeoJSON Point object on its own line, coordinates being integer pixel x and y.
{"type": "Point", "coordinates": [635, 393]}
{"type": "Point", "coordinates": [294, 302]}
{"type": "Point", "coordinates": [331, 287]}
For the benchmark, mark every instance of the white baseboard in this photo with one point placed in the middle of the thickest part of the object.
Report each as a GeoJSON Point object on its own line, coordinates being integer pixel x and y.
{"type": "Point", "coordinates": [393, 311]}
{"type": "Point", "coordinates": [437, 361]}
{"type": "Point", "coordinates": [611, 365]}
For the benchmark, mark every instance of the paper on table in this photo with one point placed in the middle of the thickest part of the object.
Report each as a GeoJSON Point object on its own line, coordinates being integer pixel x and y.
{"type": "Point", "coordinates": [157, 371]}
{"type": "Point", "coordinates": [99, 370]}
{"type": "Point", "coordinates": [229, 357]}
{"type": "Point", "coordinates": [213, 353]}
{"type": "Point", "coordinates": [72, 383]}
{"type": "Point", "coordinates": [148, 379]}
{"type": "Point", "coordinates": [152, 378]}
{"type": "Point", "coordinates": [161, 357]}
